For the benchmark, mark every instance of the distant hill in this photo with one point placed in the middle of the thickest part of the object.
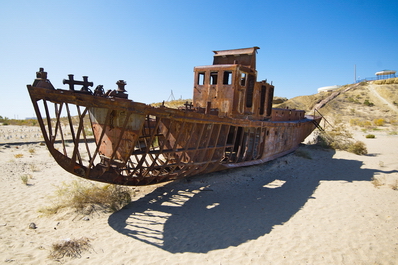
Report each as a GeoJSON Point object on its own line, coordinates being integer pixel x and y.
{"type": "Point", "coordinates": [358, 104]}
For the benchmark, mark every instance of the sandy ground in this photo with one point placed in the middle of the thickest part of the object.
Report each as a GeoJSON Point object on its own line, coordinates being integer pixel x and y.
{"type": "Point", "coordinates": [324, 210]}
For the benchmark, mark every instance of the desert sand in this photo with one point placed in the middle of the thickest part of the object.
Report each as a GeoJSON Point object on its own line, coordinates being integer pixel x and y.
{"type": "Point", "coordinates": [294, 210]}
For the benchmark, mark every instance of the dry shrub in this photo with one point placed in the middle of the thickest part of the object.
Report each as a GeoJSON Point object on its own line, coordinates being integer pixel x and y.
{"type": "Point", "coordinates": [370, 136]}
{"type": "Point", "coordinates": [378, 122]}
{"type": "Point", "coordinates": [81, 196]}
{"type": "Point", "coordinates": [395, 185]}
{"type": "Point", "coordinates": [70, 248]}
{"type": "Point", "coordinates": [377, 182]}
{"type": "Point", "coordinates": [360, 123]}
{"type": "Point", "coordinates": [18, 155]}
{"type": "Point", "coordinates": [358, 148]}
{"type": "Point", "coordinates": [340, 139]}
{"type": "Point", "coordinates": [25, 178]}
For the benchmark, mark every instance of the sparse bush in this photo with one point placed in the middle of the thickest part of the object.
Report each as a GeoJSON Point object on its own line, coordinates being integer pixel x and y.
{"type": "Point", "coordinates": [18, 155]}
{"type": "Point", "coordinates": [34, 168]}
{"type": "Point", "coordinates": [377, 182]}
{"type": "Point", "coordinates": [339, 138]}
{"type": "Point", "coordinates": [378, 122]}
{"type": "Point", "coordinates": [395, 185]}
{"type": "Point", "coordinates": [32, 151]}
{"type": "Point", "coordinates": [25, 179]}
{"type": "Point", "coordinates": [81, 196]}
{"type": "Point", "coordinates": [368, 103]}
{"type": "Point", "coordinates": [88, 131]}
{"type": "Point", "coordinates": [70, 248]}
{"type": "Point", "coordinates": [371, 136]}
{"type": "Point", "coordinates": [360, 123]}
{"type": "Point", "coordinates": [358, 148]}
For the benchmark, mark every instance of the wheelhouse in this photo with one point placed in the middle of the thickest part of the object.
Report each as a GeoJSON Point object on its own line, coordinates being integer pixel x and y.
{"type": "Point", "coordinates": [229, 87]}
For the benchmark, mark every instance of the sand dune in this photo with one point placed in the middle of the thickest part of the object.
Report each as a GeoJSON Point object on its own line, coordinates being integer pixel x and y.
{"type": "Point", "coordinates": [324, 210]}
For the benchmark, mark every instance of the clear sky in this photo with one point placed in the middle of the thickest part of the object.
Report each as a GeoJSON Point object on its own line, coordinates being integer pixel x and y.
{"type": "Point", "coordinates": [154, 44]}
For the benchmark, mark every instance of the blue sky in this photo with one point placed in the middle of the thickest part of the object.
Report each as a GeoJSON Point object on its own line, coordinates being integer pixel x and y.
{"type": "Point", "coordinates": [155, 44]}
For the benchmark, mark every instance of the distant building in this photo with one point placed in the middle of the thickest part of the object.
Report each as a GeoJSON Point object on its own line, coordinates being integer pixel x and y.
{"type": "Point", "coordinates": [385, 74]}
{"type": "Point", "coordinates": [327, 88]}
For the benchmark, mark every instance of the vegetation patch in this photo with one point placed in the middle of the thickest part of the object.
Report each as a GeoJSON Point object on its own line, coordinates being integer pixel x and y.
{"type": "Point", "coordinates": [18, 155]}
{"type": "Point", "coordinates": [340, 139]}
{"type": "Point", "coordinates": [84, 197]}
{"type": "Point", "coordinates": [370, 136]}
{"type": "Point", "coordinates": [378, 122]}
{"type": "Point", "coordinates": [377, 182]}
{"type": "Point", "coordinates": [368, 103]}
{"type": "Point", "coordinates": [72, 248]}
{"type": "Point", "coordinates": [25, 178]}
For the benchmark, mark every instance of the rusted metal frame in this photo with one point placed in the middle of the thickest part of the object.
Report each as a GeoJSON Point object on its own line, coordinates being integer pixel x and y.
{"type": "Point", "coordinates": [140, 161]}
{"type": "Point", "coordinates": [156, 152]}
{"type": "Point", "coordinates": [76, 151]}
{"type": "Point", "coordinates": [58, 117]}
{"type": "Point", "coordinates": [120, 138]}
{"type": "Point", "coordinates": [72, 131]}
{"type": "Point", "coordinates": [188, 169]}
{"type": "Point", "coordinates": [48, 117]}
{"type": "Point", "coordinates": [184, 150]}
{"type": "Point", "coordinates": [107, 119]}
{"type": "Point", "coordinates": [240, 144]}
{"type": "Point", "coordinates": [41, 123]}
{"type": "Point", "coordinates": [245, 146]}
{"type": "Point", "coordinates": [148, 143]}
{"type": "Point", "coordinates": [175, 165]}
{"type": "Point", "coordinates": [259, 153]}
{"type": "Point", "coordinates": [84, 134]}
{"type": "Point", "coordinates": [178, 139]}
{"type": "Point", "coordinates": [207, 146]}
{"type": "Point", "coordinates": [193, 166]}
{"type": "Point", "coordinates": [161, 149]}
{"type": "Point", "coordinates": [225, 144]}
{"type": "Point", "coordinates": [249, 156]}
{"type": "Point", "coordinates": [233, 144]}
{"type": "Point", "coordinates": [144, 169]}
{"type": "Point", "coordinates": [213, 149]}
{"type": "Point", "coordinates": [168, 151]}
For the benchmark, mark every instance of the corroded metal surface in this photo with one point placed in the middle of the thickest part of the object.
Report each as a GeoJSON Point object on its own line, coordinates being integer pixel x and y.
{"type": "Point", "coordinates": [106, 137]}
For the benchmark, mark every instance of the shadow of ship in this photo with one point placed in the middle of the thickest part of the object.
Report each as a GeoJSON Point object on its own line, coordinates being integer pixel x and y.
{"type": "Point", "coordinates": [233, 207]}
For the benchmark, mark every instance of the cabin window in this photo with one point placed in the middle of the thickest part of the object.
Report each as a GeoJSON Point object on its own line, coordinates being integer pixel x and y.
{"type": "Point", "coordinates": [213, 78]}
{"type": "Point", "coordinates": [243, 79]}
{"type": "Point", "coordinates": [262, 99]}
{"type": "Point", "coordinates": [201, 78]}
{"type": "Point", "coordinates": [227, 78]}
{"type": "Point", "coordinates": [249, 91]}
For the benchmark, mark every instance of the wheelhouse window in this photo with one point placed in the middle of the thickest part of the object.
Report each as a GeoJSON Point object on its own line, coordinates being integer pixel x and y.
{"type": "Point", "coordinates": [213, 78]}
{"type": "Point", "coordinates": [201, 78]}
{"type": "Point", "coordinates": [249, 91]}
{"type": "Point", "coordinates": [227, 78]}
{"type": "Point", "coordinates": [243, 79]}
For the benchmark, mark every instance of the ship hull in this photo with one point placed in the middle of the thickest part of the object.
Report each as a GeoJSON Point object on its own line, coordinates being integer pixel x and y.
{"type": "Point", "coordinates": [118, 141]}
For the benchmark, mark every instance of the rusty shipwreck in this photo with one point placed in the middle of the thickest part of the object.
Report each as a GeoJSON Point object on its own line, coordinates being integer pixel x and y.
{"type": "Point", "coordinates": [230, 123]}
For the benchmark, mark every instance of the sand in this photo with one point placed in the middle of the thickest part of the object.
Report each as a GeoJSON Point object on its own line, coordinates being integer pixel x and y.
{"type": "Point", "coordinates": [324, 210]}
